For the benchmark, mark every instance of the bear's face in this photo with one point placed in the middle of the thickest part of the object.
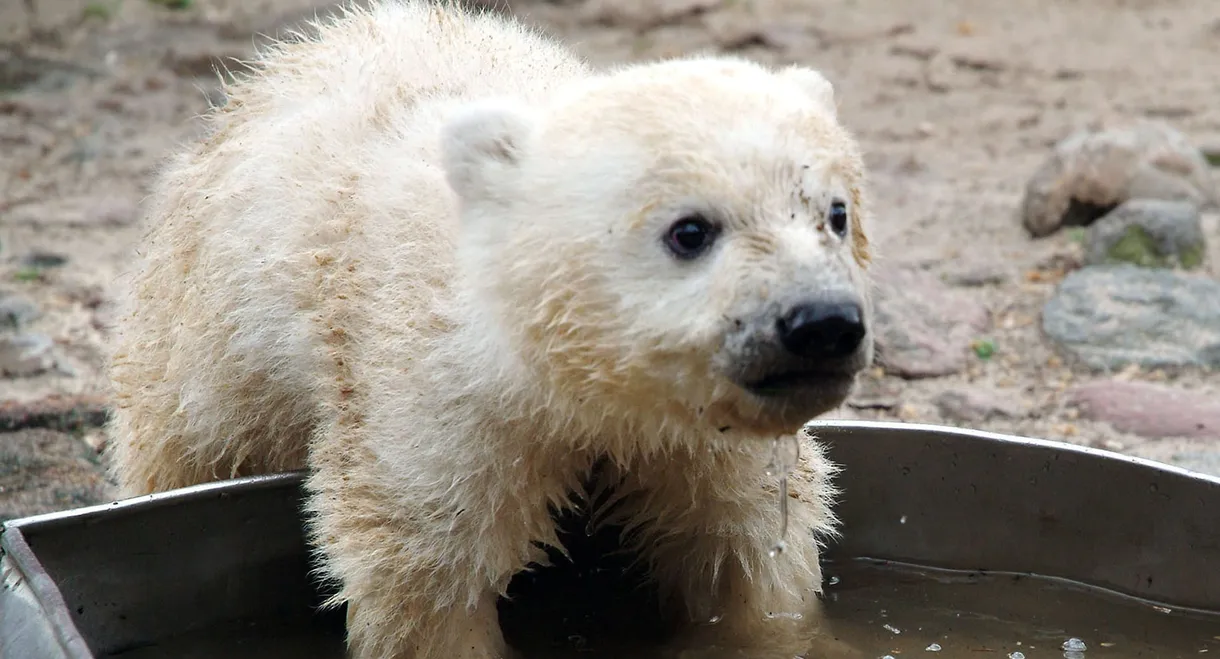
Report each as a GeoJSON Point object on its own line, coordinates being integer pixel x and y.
{"type": "Point", "coordinates": [677, 243]}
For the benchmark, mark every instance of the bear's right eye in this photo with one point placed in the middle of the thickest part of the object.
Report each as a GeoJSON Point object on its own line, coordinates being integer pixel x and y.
{"type": "Point", "coordinates": [690, 236]}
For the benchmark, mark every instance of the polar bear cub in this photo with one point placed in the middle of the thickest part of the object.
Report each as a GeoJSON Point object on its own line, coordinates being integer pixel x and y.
{"type": "Point", "coordinates": [446, 266]}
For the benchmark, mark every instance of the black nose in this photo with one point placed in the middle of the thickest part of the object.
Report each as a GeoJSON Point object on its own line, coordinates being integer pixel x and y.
{"type": "Point", "coordinates": [825, 330]}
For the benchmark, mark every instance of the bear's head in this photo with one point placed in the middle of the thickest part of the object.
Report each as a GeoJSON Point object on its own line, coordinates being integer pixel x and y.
{"type": "Point", "coordinates": [674, 246]}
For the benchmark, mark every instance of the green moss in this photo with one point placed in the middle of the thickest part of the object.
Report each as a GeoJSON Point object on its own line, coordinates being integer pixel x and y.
{"type": "Point", "coordinates": [1139, 247]}
{"type": "Point", "coordinates": [28, 274]}
{"type": "Point", "coordinates": [1192, 256]}
{"type": "Point", "coordinates": [98, 10]}
{"type": "Point", "coordinates": [983, 348]}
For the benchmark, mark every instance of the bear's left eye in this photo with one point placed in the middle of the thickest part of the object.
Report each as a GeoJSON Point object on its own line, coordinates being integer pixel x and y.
{"type": "Point", "coordinates": [690, 236]}
{"type": "Point", "coordinates": [837, 217]}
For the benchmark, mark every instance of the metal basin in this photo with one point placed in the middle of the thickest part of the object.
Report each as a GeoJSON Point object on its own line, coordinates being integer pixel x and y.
{"type": "Point", "coordinates": [223, 568]}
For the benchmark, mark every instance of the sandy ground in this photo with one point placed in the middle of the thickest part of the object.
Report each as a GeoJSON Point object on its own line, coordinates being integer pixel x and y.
{"type": "Point", "coordinates": [956, 102]}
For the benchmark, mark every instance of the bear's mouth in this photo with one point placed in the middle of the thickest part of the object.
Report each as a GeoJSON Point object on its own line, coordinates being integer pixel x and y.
{"type": "Point", "coordinates": [785, 382]}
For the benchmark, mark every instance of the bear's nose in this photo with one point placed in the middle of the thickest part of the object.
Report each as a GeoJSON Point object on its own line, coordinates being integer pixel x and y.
{"type": "Point", "coordinates": [822, 330]}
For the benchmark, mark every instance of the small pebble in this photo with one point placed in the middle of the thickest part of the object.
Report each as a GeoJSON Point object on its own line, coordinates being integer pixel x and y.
{"type": "Point", "coordinates": [977, 276]}
{"type": "Point", "coordinates": [40, 259]}
{"type": "Point", "coordinates": [16, 311]}
{"type": "Point", "coordinates": [25, 355]}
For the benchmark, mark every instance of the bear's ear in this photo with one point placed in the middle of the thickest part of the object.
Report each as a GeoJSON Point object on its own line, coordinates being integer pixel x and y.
{"type": "Point", "coordinates": [481, 141]}
{"type": "Point", "coordinates": [816, 86]}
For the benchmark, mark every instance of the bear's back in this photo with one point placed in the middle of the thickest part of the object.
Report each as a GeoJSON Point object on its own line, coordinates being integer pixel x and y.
{"type": "Point", "coordinates": [317, 203]}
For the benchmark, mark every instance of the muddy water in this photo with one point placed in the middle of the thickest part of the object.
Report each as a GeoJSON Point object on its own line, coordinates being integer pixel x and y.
{"type": "Point", "coordinates": [903, 611]}
{"type": "Point", "coordinates": [871, 611]}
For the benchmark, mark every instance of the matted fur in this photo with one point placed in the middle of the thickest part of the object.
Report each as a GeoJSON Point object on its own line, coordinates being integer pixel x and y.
{"type": "Point", "coordinates": [307, 296]}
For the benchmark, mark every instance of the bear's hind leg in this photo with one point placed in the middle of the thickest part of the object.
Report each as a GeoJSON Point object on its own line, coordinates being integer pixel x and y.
{"type": "Point", "coordinates": [187, 413]}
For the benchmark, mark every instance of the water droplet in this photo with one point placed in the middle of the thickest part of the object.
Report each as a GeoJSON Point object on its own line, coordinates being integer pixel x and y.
{"type": "Point", "coordinates": [935, 647]}
{"type": "Point", "coordinates": [891, 628]}
{"type": "Point", "coordinates": [1016, 655]}
{"type": "Point", "coordinates": [902, 520]}
{"type": "Point", "coordinates": [1074, 645]}
{"type": "Point", "coordinates": [888, 656]}
{"type": "Point", "coordinates": [833, 581]}
{"type": "Point", "coordinates": [784, 457]}
{"type": "Point", "coordinates": [774, 467]}
{"type": "Point", "coordinates": [713, 620]}
{"type": "Point", "coordinates": [589, 528]}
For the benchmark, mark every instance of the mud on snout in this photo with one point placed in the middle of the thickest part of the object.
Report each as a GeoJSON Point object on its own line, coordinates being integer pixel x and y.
{"type": "Point", "coordinates": [797, 354]}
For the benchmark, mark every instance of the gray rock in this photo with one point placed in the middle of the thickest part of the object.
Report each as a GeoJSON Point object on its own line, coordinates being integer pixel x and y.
{"type": "Point", "coordinates": [1111, 316]}
{"type": "Point", "coordinates": [983, 274]}
{"type": "Point", "coordinates": [43, 259]}
{"type": "Point", "coordinates": [16, 311]}
{"type": "Point", "coordinates": [644, 14]}
{"type": "Point", "coordinates": [975, 404]}
{"type": "Point", "coordinates": [25, 355]}
{"type": "Point", "coordinates": [19, 71]}
{"type": "Point", "coordinates": [923, 328]}
{"type": "Point", "coordinates": [1094, 170]}
{"type": "Point", "coordinates": [1149, 410]}
{"type": "Point", "coordinates": [875, 394]}
{"type": "Point", "coordinates": [1148, 232]}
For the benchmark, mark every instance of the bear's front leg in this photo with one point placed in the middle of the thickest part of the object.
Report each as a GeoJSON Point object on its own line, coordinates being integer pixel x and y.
{"type": "Point", "coordinates": [383, 625]}
{"type": "Point", "coordinates": [712, 524]}
{"type": "Point", "coordinates": [423, 543]}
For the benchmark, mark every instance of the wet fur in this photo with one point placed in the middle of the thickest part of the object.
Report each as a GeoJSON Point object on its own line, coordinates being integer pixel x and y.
{"type": "Point", "coordinates": [301, 301]}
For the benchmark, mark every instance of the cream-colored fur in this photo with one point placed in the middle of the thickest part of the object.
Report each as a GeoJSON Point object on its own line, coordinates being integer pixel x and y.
{"type": "Point", "coordinates": [421, 253]}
